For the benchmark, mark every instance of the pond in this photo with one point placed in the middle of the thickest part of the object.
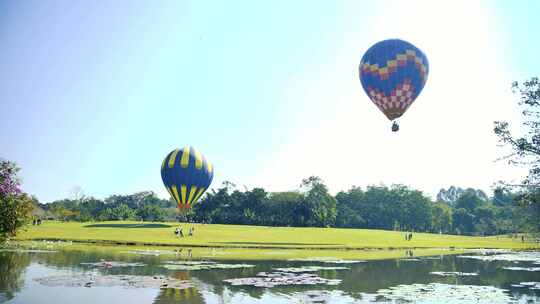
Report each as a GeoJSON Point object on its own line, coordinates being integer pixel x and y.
{"type": "Point", "coordinates": [57, 275]}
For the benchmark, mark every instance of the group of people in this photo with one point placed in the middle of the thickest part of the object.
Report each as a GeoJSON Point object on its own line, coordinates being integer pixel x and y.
{"type": "Point", "coordinates": [179, 232]}
{"type": "Point", "coordinates": [408, 236]}
{"type": "Point", "coordinates": [36, 222]}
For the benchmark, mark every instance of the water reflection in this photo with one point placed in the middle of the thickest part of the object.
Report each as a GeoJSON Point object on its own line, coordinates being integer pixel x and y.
{"type": "Point", "coordinates": [360, 282]}
{"type": "Point", "coordinates": [12, 266]}
{"type": "Point", "coordinates": [170, 296]}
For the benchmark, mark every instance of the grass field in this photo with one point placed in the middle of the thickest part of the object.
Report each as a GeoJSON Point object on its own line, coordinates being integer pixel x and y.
{"type": "Point", "coordinates": [235, 236]}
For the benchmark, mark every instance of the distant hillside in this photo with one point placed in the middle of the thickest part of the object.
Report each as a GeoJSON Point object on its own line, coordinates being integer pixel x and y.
{"type": "Point", "coordinates": [451, 195]}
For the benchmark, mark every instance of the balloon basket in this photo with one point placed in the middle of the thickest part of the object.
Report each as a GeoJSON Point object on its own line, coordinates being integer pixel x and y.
{"type": "Point", "coordinates": [395, 127]}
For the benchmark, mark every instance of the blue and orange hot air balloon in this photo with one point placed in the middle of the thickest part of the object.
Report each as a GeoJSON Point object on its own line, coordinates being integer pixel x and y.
{"type": "Point", "coordinates": [393, 73]}
{"type": "Point", "coordinates": [186, 174]}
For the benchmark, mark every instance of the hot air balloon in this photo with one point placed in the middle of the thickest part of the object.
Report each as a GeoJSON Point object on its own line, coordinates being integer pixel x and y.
{"type": "Point", "coordinates": [186, 174]}
{"type": "Point", "coordinates": [393, 73]}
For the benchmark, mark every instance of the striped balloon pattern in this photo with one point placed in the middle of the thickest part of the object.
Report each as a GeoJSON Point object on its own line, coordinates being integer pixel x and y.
{"type": "Point", "coordinates": [393, 73]}
{"type": "Point", "coordinates": [186, 174]}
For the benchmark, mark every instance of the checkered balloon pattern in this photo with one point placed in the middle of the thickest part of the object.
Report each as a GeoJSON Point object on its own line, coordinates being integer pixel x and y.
{"type": "Point", "coordinates": [393, 73]}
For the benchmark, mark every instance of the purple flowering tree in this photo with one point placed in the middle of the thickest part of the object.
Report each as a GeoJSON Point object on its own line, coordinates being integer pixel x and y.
{"type": "Point", "coordinates": [15, 206]}
{"type": "Point", "coordinates": [9, 183]}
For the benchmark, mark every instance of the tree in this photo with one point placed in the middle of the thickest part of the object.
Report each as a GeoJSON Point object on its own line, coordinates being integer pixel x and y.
{"type": "Point", "coordinates": [485, 220]}
{"type": "Point", "coordinates": [151, 213]}
{"type": "Point", "coordinates": [348, 208]}
{"type": "Point", "coordinates": [526, 146]}
{"type": "Point", "coordinates": [280, 209]}
{"type": "Point", "coordinates": [469, 201]}
{"type": "Point", "coordinates": [441, 220]}
{"type": "Point", "coordinates": [123, 212]}
{"type": "Point", "coordinates": [106, 214]}
{"type": "Point", "coordinates": [320, 206]}
{"type": "Point", "coordinates": [463, 221]}
{"type": "Point", "coordinates": [15, 206]}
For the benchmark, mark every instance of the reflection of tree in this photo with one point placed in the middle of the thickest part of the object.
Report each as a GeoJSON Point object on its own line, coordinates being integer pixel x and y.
{"type": "Point", "coordinates": [180, 275]}
{"type": "Point", "coordinates": [170, 295]}
{"type": "Point", "coordinates": [12, 266]}
{"type": "Point", "coordinates": [386, 273]}
{"type": "Point", "coordinates": [72, 259]}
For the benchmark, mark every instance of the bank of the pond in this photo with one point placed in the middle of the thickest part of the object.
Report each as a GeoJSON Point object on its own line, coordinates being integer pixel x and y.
{"type": "Point", "coordinates": [131, 252]}
{"type": "Point", "coordinates": [237, 236]}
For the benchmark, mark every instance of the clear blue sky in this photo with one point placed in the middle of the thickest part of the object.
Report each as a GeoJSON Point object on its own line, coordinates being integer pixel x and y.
{"type": "Point", "coordinates": [95, 95]}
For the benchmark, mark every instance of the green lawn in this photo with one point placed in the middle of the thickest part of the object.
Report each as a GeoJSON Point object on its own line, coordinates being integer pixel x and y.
{"type": "Point", "coordinates": [235, 236]}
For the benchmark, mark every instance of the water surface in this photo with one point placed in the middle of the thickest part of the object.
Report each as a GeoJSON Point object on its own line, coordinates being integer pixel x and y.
{"type": "Point", "coordinates": [24, 274]}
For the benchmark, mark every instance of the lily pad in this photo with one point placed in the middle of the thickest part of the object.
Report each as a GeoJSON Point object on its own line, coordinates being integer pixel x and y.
{"type": "Point", "coordinates": [530, 285]}
{"type": "Point", "coordinates": [327, 260]}
{"type": "Point", "coordinates": [523, 268]}
{"type": "Point", "coordinates": [490, 251]}
{"type": "Point", "coordinates": [151, 252]}
{"type": "Point", "coordinates": [111, 264]}
{"type": "Point", "coordinates": [202, 265]}
{"type": "Point", "coordinates": [445, 293]}
{"type": "Point", "coordinates": [190, 263]}
{"type": "Point", "coordinates": [410, 260]}
{"type": "Point", "coordinates": [98, 280]}
{"type": "Point", "coordinates": [272, 279]}
{"type": "Point", "coordinates": [526, 256]}
{"type": "Point", "coordinates": [309, 269]}
{"type": "Point", "coordinates": [454, 273]}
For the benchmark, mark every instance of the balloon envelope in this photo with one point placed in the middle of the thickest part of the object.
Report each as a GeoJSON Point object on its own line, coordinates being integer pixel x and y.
{"type": "Point", "coordinates": [186, 174]}
{"type": "Point", "coordinates": [393, 73]}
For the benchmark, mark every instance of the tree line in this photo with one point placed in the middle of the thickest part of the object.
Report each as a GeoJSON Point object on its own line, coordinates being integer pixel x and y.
{"type": "Point", "coordinates": [395, 207]}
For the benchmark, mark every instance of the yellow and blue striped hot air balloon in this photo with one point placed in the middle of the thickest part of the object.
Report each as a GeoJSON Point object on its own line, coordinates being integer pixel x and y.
{"type": "Point", "coordinates": [186, 174]}
{"type": "Point", "coordinates": [393, 73]}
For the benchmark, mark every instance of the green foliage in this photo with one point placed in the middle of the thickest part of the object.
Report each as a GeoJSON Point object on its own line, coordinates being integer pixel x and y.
{"type": "Point", "coordinates": [151, 212]}
{"type": "Point", "coordinates": [15, 206]}
{"type": "Point", "coordinates": [441, 218]}
{"type": "Point", "coordinates": [469, 201]}
{"type": "Point", "coordinates": [15, 212]}
{"type": "Point", "coordinates": [281, 209]}
{"type": "Point", "coordinates": [318, 207]}
{"type": "Point", "coordinates": [463, 221]}
{"type": "Point", "coordinates": [394, 208]}
{"type": "Point", "coordinates": [526, 149]}
{"type": "Point", "coordinates": [377, 207]}
{"type": "Point", "coordinates": [141, 205]}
